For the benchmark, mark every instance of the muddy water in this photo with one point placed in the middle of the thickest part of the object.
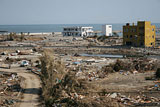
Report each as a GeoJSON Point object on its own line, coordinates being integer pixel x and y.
{"type": "Point", "coordinates": [102, 55]}
{"type": "Point", "coordinates": [118, 56]}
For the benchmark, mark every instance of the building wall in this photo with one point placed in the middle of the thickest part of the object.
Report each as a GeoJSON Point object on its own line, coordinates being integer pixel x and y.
{"type": "Point", "coordinates": [129, 35]}
{"type": "Point", "coordinates": [149, 35]}
{"type": "Point", "coordinates": [141, 35]}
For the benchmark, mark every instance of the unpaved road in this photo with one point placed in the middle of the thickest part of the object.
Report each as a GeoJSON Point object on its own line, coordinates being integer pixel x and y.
{"type": "Point", "coordinates": [31, 87]}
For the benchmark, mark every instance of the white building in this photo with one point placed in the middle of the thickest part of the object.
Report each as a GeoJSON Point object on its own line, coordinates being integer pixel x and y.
{"type": "Point", "coordinates": [107, 30]}
{"type": "Point", "coordinates": [78, 31]}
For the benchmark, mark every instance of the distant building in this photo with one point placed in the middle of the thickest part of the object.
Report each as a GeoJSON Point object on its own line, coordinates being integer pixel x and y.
{"type": "Point", "coordinates": [141, 35]}
{"type": "Point", "coordinates": [107, 30]}
{"type": "Point", "coordinates": [78, 31]}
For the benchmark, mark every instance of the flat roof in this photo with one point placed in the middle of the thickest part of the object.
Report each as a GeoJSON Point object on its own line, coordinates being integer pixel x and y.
{"type": "Point", "coordinates": [78, 27]}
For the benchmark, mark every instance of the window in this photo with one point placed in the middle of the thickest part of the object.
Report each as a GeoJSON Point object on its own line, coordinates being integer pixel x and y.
{"type": "Point", "coordinates": [127, 30]}
{"type": "Point", "coordinates": [151, 43]}
{"type": "Point", "coordinates": [141, 28]}
{"type": "Point", "coordinates": [127, 36]}
{"type": "Point", "coordinates": [76, 34]}
{"type": "Point", "coordinates": [110, 26]}
{"type": "Point", "coordinates": [129, 43]}
{"type": "Point", "coordinates": [130, 36]}
{"type": "Point", "coordinates": [141, 34]}
{"type": "Point", "coordinates": [142, 44]}
{"type": "Point", "coordinates": [153, 36]}
{"type": "Point", "coordinates": [153, 29]}
{"type": "Point", "coordinates": [133, 30]}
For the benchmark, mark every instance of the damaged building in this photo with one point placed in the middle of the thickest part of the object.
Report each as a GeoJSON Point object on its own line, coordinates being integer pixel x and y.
{"type": "Point", "coordinates": [78, 31]}
{"type": "Point", "coordinates": [141, 35]}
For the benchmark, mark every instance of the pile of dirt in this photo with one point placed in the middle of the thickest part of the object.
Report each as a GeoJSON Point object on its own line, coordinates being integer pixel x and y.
{"type": "Point", "coordinates": [137, 64]}
{"type": "Point", "coordinates": [102, 38]}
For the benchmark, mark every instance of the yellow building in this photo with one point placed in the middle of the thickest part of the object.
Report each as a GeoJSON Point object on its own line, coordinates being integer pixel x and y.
{"type": "Point", "coordinates": [141, 35]}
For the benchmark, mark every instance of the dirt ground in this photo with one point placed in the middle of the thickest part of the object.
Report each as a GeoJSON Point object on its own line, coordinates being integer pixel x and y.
{"type": "Point", "coordinates": [117, 82]}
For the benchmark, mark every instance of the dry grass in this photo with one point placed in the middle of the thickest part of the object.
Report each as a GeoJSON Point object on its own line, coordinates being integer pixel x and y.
{"type": "Point", "coordinates": [32, 38]}
{"type": "Point", "coordinates": [62, 88]}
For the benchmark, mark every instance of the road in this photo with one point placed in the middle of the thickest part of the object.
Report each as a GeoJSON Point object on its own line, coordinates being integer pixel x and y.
{"type": "Point", "coordinates": [31, 86]}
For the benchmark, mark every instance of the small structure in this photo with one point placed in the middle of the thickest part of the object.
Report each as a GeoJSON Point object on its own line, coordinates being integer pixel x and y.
{"type": "Point", "coordinates": [78, 31]}
{"type": "Point", "coordinates": [107, 30]}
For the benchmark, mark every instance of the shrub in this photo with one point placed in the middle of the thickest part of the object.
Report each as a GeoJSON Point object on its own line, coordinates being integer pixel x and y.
{"type": "Point", "coordinates": [58, 84]}
{"type": "Point", "coordinates": [118, 65]}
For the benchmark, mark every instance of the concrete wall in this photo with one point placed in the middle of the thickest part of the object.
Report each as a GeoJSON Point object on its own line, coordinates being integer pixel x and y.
{"type": "Point", "coordinates": [150, 34]}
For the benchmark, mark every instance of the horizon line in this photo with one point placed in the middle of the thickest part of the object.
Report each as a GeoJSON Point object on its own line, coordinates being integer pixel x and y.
{"type": "Point", "coordinates": [70, 24]}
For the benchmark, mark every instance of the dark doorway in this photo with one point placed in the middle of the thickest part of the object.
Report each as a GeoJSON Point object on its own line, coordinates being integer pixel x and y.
{"type": "Point", "coordinates": [128, 43]}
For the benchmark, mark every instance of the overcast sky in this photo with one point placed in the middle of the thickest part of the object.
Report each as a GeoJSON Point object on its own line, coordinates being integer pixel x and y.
{"type": "Point", "coordinates": [78, 11]}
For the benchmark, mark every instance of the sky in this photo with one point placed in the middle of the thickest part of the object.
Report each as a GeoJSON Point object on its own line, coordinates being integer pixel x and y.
{"type": "Point", "coordinates": [78, 11]}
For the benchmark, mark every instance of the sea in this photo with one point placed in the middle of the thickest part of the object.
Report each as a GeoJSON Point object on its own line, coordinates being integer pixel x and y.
{"type": "Point", "coordinates": [44, 28]}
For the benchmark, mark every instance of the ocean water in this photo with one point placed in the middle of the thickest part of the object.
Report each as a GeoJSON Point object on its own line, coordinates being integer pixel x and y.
{"type": "Point", "coordinates": [50, 27]}
{"type": "Point", "coordinates": [55, 27]}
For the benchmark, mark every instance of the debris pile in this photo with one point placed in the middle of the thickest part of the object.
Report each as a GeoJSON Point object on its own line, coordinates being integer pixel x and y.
{"type": "Point", "coordinates": [124, 67]}
{"type": "Point", "coordinates": [132, 65]}
{"type": "Point", "coordinates": [155, 87]}
{"type": "Point", "coordinates": [134, 100]}
{"type": "Point", "coordinates": [93, 69]}
{"type": "Point", "coordinates": [10, 88]}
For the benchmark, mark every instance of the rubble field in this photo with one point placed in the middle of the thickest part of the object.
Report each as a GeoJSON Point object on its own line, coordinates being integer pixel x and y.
{"type": "Point", "coordinates": [10, 89]}
{"type": "Point", "coordinates": [122, 82]}
{"type": "Point", "coordinates": [109, 75]}
{"type": "Point", "coordinates": [16, 82]}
